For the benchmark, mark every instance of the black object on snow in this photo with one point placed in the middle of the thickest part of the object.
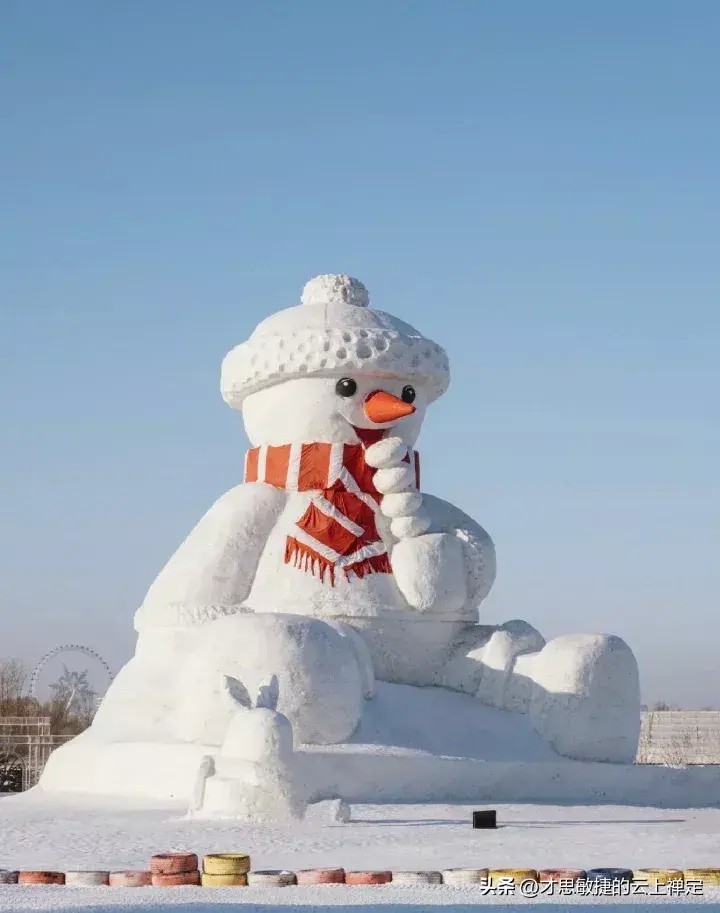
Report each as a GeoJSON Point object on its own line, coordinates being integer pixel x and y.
{"type": "Point", "coordinates": [484, 819]}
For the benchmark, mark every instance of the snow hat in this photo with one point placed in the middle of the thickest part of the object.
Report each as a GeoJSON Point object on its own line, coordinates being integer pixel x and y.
{"type": "Point", "coordinates": [333, 332]}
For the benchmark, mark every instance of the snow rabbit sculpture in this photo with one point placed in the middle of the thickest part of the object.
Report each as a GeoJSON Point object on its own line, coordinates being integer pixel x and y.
{"type": "Point", "coordinates": [253, 776]}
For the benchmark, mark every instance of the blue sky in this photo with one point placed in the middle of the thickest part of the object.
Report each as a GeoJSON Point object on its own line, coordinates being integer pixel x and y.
{"type": "Point", "coordinates": [534, 185]}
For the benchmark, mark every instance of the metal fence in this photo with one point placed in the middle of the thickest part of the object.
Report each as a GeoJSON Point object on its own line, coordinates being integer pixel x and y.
{"type": "Point", "coordinates": [679, 737]}
{"type": "Point", "coordinates": [25, 746]}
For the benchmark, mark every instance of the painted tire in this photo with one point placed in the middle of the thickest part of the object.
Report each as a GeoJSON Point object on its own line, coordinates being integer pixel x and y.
{"type": "Point", "coordinates": [223, 881]}
{"type": "Point", "coordinates": [709, 877]}
{"type": "Point", "coordinates": [278, 877]}
{"type": "Point", "coordinates": [411, 878]}
{"type": "Point", "coordinates": [320, 876]}
{"type": "Point", "coordinates": [517, 875]}
{"type": "Point", "coordinates": [609, 875]}
{"type": "Point", "coordinates": [41, 878]}
{"type": "Point", "coordinates": [226, 864]}
{"type": "Point", "coordinates": [173, 863]}
{"type": "Point", "coordinates": [87, 879]}
{"type": "Point", "coordinates": [368, 877]}
{"type": "Point", "coordinates": [176, 879]}
{"type": "Point", "coordinates": [555, 875]}
{"type": "Point", "coordinates": [130, 879]}
{"type": "Point", "coordinates": [464, 876]}
{"type": "Point", "coordinates": [653, 877]}
{"type": "Point", "coordinates": [8, 877]}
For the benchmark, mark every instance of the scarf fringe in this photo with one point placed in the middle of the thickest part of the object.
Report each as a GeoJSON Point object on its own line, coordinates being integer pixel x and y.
{"type": "Point", "coordinates": [307, 559]}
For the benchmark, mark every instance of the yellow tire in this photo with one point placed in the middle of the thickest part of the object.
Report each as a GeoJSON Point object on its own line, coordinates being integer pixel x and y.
{"type": "Point", "coordinates": [223, 881]}
{"type": "Point", "coordinates": [226, 864]}
{"type": "Point", "coordinates": [709, 877]}
{"type": "Point", "coordinates": [654, 877]}
{"type": "Point", "coordinates": [517, 875]}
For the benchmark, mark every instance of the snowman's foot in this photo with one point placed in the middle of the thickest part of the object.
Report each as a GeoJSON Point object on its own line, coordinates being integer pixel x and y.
{"type": "Point", "coordinates": [581, 692]}
{"type": "Point", "coordinates": [584, 696]}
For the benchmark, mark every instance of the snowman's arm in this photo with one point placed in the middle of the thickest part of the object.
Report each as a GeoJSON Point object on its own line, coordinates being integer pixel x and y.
{"type": "Point", "coordinates": [429, 568]}
{"type": "Point", "coordinates": [212, 572]}
{"type": "Point", "coordinates": [477, 545]}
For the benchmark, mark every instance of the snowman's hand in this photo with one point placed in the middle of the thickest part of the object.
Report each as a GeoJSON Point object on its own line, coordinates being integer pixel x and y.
{"type": "Point", "coordinates": [386, 453]}
{"type": "Point", "coordinates": [394, 473]}
{"type": "Point", "coordinates": [407, 514]}
{"type": "Point", "coordinates": [430, 572]}
{"type": "Point", "coordinates": [395, 480]}
{"type": "Point", "coordinates": [404, 508]}
{"type": "Point", "coordinates": [410, 527]}
{"type": "Point", "coordinates": [403, 504]}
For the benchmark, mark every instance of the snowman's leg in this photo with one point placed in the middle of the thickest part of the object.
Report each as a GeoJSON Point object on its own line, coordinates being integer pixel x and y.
{"type": "Point", "coordinates": [581, 692]}
{"type": "Point", "coordinates": [320, 682]}
{"type": "Point", "coordinates": [482, 661]}
{"type": "Point", "coordinates": [362, 655]}
{"type": "Point", "coordinates": [585, 696]}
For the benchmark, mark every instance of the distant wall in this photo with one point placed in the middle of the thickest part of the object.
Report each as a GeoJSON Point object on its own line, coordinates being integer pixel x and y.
{"type": "Point", "coordinates": [680, 737]}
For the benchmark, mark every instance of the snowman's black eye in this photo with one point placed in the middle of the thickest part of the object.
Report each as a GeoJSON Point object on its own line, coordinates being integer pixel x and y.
{"type": "Point", "coordinates": [346, 387]}
{"type": "Point", "coordinates": [408, 394]}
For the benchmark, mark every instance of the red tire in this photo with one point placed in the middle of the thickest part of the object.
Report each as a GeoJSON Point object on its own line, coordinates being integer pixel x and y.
{"type": "Point", "coordinates": [320, 876]}
{"type": "Point", "coordinates": [173, 863]}
{"type": "Point", "coordinates": [176, 879]}
{"type": "Point", "coordinates": [130, 879]}
{"type": "Point", "coordinates": [368, 877]}
{"type": "Point", "coordinates": [554, 875]}
{"type": "Point", "coordinates": [32, 877]}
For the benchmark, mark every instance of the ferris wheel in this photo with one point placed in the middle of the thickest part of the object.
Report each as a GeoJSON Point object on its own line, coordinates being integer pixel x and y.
{"type": "Point", "coordinates": [72, 687]}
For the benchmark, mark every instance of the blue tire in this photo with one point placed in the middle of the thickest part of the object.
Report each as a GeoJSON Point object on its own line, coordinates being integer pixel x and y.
{"type": "Point", "coordinates": [609, 875]}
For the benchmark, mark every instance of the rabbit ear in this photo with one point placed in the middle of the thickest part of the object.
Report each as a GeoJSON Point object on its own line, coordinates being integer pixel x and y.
{"type": "Point", "coordinates": [235, 691]}
{"type": "Point", "coordinates": [268, 694]}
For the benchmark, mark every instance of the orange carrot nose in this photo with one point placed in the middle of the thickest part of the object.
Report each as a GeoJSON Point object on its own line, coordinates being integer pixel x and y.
{"type": "Point", "coordinates": [383, 407]}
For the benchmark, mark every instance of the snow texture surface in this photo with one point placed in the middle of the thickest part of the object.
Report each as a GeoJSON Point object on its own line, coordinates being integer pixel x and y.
{"type": "Point", "coordinates": [37, 830]}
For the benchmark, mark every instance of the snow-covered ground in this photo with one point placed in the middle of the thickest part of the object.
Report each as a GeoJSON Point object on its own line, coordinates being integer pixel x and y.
{"type": "Point", "coordinates": [38, 831]}
{"type": "Point", "coordinates": [307, 900]}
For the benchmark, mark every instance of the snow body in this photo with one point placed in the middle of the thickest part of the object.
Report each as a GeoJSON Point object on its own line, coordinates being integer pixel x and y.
{"type": "Point", "coordinates": [230, 602]}
{"type": "Point", "coordinates": [233, 561]}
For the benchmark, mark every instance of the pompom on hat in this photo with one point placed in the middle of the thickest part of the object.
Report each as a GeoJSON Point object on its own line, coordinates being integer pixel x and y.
{"type": "Point", "coordinates": [333, 332]}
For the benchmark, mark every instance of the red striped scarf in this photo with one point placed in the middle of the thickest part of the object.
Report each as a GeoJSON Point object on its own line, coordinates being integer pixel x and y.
{"type": "Point", "coordinates": [338, 528]}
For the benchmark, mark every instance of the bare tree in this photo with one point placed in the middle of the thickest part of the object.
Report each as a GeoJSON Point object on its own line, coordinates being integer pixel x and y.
{"type": "Point", "coordinates": [12, 765]}
{"type": "Point", "coordinates": [14, 700]}
{"type": "Point", "coordinates": [679, 750]}
{"type": "Point", "coordinates": [71, 707]}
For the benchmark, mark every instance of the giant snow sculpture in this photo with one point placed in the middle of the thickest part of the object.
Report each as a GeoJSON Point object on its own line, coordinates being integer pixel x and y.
{"type": "Point", "coordinates": [326, 570]}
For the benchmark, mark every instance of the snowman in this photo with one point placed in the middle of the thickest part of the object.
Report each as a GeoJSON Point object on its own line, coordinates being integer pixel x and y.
{"type": "Point", "coordinates": [330, 568]}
